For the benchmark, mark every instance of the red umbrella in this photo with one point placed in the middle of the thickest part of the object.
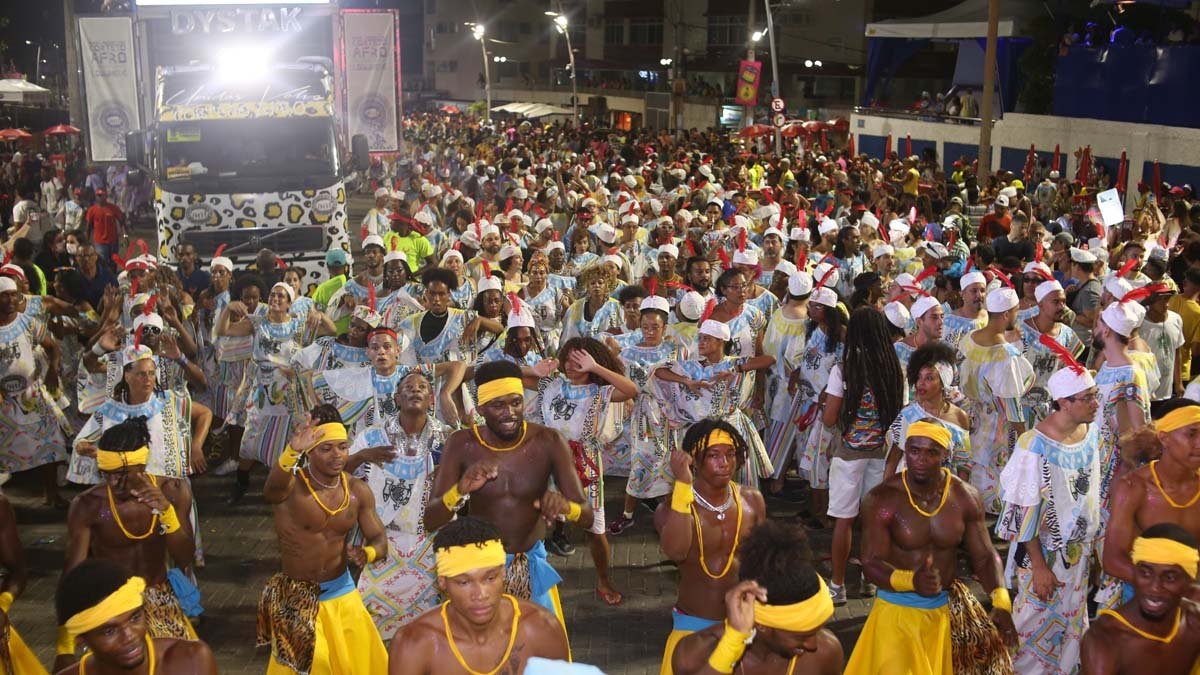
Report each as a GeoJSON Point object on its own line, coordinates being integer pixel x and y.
{"type": "Point", "coordinates": [14, 134]}
{"type": "Point", "coordinates": [1057, 156]}
{"type": "Point", "coordinates": [813, 126]}
{"type": "Point", "coordinates": [887, 148]}
{"type": "Point", "coordinates": [756, 130]}
{"type": "Point", "coordinates": [450, 109]}
{"type": "Point", "coordinates": [850, 145]}
{"type": "Point", "coordinates": [908, 145]}
{"type": "Point", "coordinates": [61, 130]}
{"type": "Point", "coordinates": [839, 124]}
{"type": "Point", "coordinates": [1029, 161]}
{"type": "Point", "coordinates": [793, 129]}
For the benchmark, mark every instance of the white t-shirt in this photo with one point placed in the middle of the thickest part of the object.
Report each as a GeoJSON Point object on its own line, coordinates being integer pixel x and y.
{"type": "Point", "coordinates": [1164, 339]}
{"type": "Point", "coordinates": [834, 386]}
{"type": "Point", "coordinates": [22, 210]}
{"type": "Point", "coordinates": [52, 195]}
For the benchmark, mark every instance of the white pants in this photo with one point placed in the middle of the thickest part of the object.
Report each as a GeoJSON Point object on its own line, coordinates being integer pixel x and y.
{"type": "Point", "coordinates": [849, 482]}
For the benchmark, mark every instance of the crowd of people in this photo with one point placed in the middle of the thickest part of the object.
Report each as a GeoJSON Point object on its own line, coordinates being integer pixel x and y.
{"type": "Point", "coordinates": [919, 362]}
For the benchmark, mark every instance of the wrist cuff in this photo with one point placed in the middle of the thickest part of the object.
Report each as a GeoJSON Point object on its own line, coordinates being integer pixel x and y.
{"type": "Point", "coordinates": [169, 520]}
{"type": "Point", "coordinates": [573, 512]}
{"type": "Point", "coordinates": [1001, 599]}
{"type": "Point", "coordinates": [902, 581]}
{"type": "Point", "coordinates": [6, 600]}
{"type": "Point", "coordinates": [729, 649]}
{"type": "Point", "coordinates": [372, 555]}
{"type": "Point", "coordinates": [452, 498]}
{"type": "Point", "coordinates": [289, 459]}
{"type": "Point", "coordinates": [682, 497]}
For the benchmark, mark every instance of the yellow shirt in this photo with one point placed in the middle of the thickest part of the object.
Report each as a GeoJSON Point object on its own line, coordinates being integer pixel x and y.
{"type": "Point", "coordinates": [1189, 311]}
{"type": "Point", "coordinates": [911, 178]}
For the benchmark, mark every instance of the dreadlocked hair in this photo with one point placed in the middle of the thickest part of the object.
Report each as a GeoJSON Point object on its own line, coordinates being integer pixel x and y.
{"type": "Point", "coordinates": [510, 344]}
{"type": "Point", "coordinates": [697, 434]}
{"type": "Point", "coordinates": [325, 413]}
{"type": "Point", "coordinates": [777, 556]}
{"type": "Point", "coordinates": [927, 355]}
{"type": "Point", "coordinates": [870, 365]}
{"type": "Point", "coordinates": [596, 349]}
{"type": "Point", "coordinates": [127, 436]}
{"type": "Point", "coordinates": [464, 531]}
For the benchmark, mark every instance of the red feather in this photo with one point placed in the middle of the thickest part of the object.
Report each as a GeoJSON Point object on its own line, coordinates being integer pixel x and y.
{"type": "Point", "coordinates": [802, 218]}
{"type": "Point", "coordinates": [925, 274]}
{"type": "Point", "coordinates": [364, 232]}
{"type": "Point", "coordinates": [1129, 265]}
{"type": "Point", "coordinates": [280, 263]}
{"type": "Point", "coordinates": [912, 216]}
{"type": "Point", "coordinates": [825, 277]}
{"type": "Point", "coordinates": [1005, 280]}
{"type": "Point", "coordinates": [742, 240]}
{"type": "Point", "coordinates": [690, 247]}
{"type": "Point", "coordinates": [220, 250]}
{"type": "Point", "coordinates": [725, 262]}
{"type": "Point", "coordinates": [130, 251]}
{"type": "Point", "coordinates": [508, 206]}
{"type": "Point", "coordinates": [141, 243]}
{"type": "Point", "coordinates": [970, 264]}
{"type": "Point", "coordinates": [148, 308]}
{"type": "Point", "coordinates": [652, 286]}
{"type": "Point", "coordinates": [515, 302]}
{"type": "Point", "coordinates": [556, 236]}
{"type": "Point", "coordinates": [915, 290]}
{"type": "Point", "coordinates": [828, 209]}
{"type": "Point", "coordinates": [487, 268]}
{"type": "Point", "coordinates": [1144, 292]}
{"type": "Point", "coordinates": [952, 236]}
{"type": "Point", "coordinates": [137, 336]}
{"type": "Point", "coordinates": [371, 296]}
{"type": "Point", "coordinates": [133, 287]}
{"type": "Point", "coordinates": [7, 257]}
{"type": "Point", "coordinates": [767, 196]}
{"type": "Point", "coordinates": [118, 261]}
{"type": "Point", "coordinates": [708, 309]}
{"type": "Point", "coordinates": [1038, 252]}
{"type": "Point", "coordinates": [1063, 354]}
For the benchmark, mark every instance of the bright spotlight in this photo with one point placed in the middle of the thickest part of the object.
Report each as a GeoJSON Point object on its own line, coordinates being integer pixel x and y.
{"type": "Point", "coordinates": [560, 21]}
{"type": "Point", "coordinates": [756, 36]}
{"type": "Point", "coordinates": [478, 31]}
{"type": "Point", "coordinates": [808, 63]}
{"type": "Point", "coordinates": [817, 63]}
{"type": "Point", "coordinates": [242, 63]}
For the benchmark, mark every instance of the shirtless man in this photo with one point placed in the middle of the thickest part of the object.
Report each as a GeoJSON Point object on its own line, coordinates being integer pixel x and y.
{"type": "Point", "coordinates": [781, 605]}
{"type": "Point", "coordinates": [311, 522]}
{"type": "Point", "coordinates": [133, 519]}
{"type": "Point", "coordinates": [913, 525]}
{"type": "Point", "coordinates": [1158, 631]}
{"type": "Point", "coordinates": [706, 573]}
{"type": "Point", "coordinates": [504, 468]}
{"type": "Point", "coordinates": [16, 656]}
{"type": "Point", "coordinates": [1163, 491]}
{"type": "Point", "coordinates": [480, 628]}
{"type": "Point", "coordinates": [102, 603]}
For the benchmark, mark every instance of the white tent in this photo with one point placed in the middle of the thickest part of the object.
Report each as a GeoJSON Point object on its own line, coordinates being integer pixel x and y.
{"type": "Point", "coordinates": [22, 91]}
{"type": "Point", "coordinates": [531, 110]}
{"type": "Point", "coordinates": [965, 20]}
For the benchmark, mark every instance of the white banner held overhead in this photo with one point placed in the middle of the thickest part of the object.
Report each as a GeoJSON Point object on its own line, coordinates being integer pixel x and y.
{"type": "Point", "coordinates": [110, 80]}
{"type": "Point", "coordinates": [369, 40]}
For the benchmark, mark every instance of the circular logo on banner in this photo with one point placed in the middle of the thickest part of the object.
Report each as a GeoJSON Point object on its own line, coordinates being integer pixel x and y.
{"type": "Point", "coordinates": [199, 214]}
{"type": "Point", "coordinates": [324, 204]}
{"type": "Point", "coordinates": [373, 114]}
{"type": "Point", "coordinates": [112, 118]}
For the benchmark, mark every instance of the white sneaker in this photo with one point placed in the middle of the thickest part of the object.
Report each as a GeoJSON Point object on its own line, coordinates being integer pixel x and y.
{"type": "Point", "coordinates": [225, 468]}
{"type": "Point", "coordinates": [837, 593]}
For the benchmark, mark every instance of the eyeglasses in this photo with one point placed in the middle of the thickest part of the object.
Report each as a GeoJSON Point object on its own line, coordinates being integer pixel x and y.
{"type": "Point", "coordinates": [1084, 398]}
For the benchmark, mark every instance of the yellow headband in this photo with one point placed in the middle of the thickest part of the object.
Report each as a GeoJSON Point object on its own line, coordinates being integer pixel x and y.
{"type": "Point", "coordinates": [1166, 552]}
{"type": "Point", "coordinates": [490, 391]}
{"type": "Point", "coordinates": [1178, 418]}
{"type": "Point", "coordinates": [126, 598]}
{"type": "Point", "coordinates": [800, 617]}
{"type": "Point", "coordinates": [330, 431]}
{"type": "Point", "coordinates": [718, 437]}
{"type": "Point", "coordinates": [934, 432]}
{"type": "Point", "coordinates": [457, 560]}
{"type": "Point", "coordinates": [108, 460]}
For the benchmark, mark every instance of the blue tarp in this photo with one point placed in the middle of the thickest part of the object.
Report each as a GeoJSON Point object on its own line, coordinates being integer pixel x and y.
{"type": "Point", "coordinates": [1130, 83]}
{"type": "Point", "coordinates": [886, 55]}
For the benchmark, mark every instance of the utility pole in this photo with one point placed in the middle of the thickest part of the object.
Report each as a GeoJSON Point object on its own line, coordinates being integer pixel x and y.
{"type": "Point", "coordinates": [74, 94]}
{"type": "Point", "coordinates": [481, 34]}
{"type": "Point", "coordinates": [560, 22]}
{"type": "Point", "coordinates": [774, 73]}
{"type": "Point", "coordinates": [748, 116]}
{"type": "Point", "coordinates": [989, 85]}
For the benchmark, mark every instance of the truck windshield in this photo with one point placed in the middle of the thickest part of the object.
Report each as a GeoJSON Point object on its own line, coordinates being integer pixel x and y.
{"type": "Point", "coordinates": [259, 148]}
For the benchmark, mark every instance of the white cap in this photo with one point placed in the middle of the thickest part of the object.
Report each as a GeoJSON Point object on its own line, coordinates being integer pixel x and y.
{"type": "Point", "coordinates": [715, 329]}
{"type": "Point", "coordinates": [800, 283]}
{"type": "Point", "coordinates": [972, 277]}
{"type": "Point", "coordinates": [431, 190]}
{"type": "Point", "coordinates": [800, 234]}
{"type": "Point", "coordinates": [670, 249]}
{"type": "Point", "coordinates": [774, 231]}
{"type": "Point", "coordinates": [1046, 288]}
{"type": "Point", "coordinates": [291, 292]}
{"type": "Point", "coordinates": [1040, 269]}
{"type": "Point", "coordinates": [382, 192]}
{"type": "Point", "coordinates": [905, 279]}
{"type": "Point", "coordinates": [824, 268]}
{"type": "Point", "coordinates": [486, 229]}
{"type": "Point", "coordinates": [1117, 286]}
{"type": "Point", "coordinates": [630, 218]}
{"type": "Point", "coordinates": [7, 284]}
{"type": "Point", "coordinates": [520, 316]}
{"type": "Point", "coordinates": [452, 253]}
{"type": "Point", "coordinates": [881, 250]}
{"type": "Point", "coordinates": [827, 225]}
{"type": "Point", "coordinates": [1123, 317]}
{"type": "Point", "coordinates": [373, 240]}
{"type": "Point", "coordinates": [825, 296]}
{"type": "Point", "coordinates": [630, 181]}
{"type": "Point", "coordinates": [555, 245]}
{"type": "Point", "coordinates": [1002, 200]}
{"type": "Point", "coordinates": [869, 220]}
{"type": "Point", "coordinates": [614, 259]}
{"type": "Point", "coordinates": [1068, 381]}
{"type": "Point", "coordinates": [936, 250]}
{"type": "Point", "coordinates": [220, 261]}
{"type": "Point", "coordinates": [691, 305]}
{"type": "Point", "coordinates": [394, 255]}
{"type": "Point", "coordinates": [542, 225]}
{"type": "Point", "coordinates": [898, 230]}
{"type": "Point", "coordinates": [746, 257]}
{"type": "Point", "coordinates": [1081, 256]}
{"type": "Point", "coordinates": [508, 250]}
{"type": "Point", "coordinates": [897, 314]}
{"type": "Point", "coordinates": [151, 319]}
{"type": "Point", "coordinates": [1002, 300]}
{"type": "Point", "coordinates": [604, 232]}
{"type": "Point", "coordinates": [922, 305]}
{"type": "Point", "coordinates": [655, 302]}
{"type": "Point", "coordinates": [685, 215]}
{"type": "Point", "coordinates": [489, 284]}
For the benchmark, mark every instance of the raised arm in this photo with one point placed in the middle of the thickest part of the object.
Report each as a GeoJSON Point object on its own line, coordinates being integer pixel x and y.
{"type": "Point", "coordinates": [673, 519]}
{"type": "Point", "coordinates": [281, 479]}
{"type": "Point", "coordinates": [623, 387]}
{"type": "Point", "coordinates": [375, 542]}
{"type": "Point", "coordinates": [231, 323]}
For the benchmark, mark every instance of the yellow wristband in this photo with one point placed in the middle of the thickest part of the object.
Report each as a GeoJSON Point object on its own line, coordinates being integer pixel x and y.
{"type": "Point", "coordinates": [289, 459]}
{"type": "Point", "coordinates": [6, 600]}
{"type": "Point", "coordinates": [451, 499]}
{"type": "Point", "coordinates": [682, 497]}
{"type": "Point", "coordinates": [902, 581]}
{"type": "Point", "coordinates": [372, 555]}
{"type": "Point", "coordinates": [64, 643]}
{"type": "Point", "coordinates": [1001, 599]}
{"type": "Point", "coordinates": [574, 511]}
{"type": "Point", "coordinates": [169, 520]}
{"type": "Point", "coordinates": [728, 650]}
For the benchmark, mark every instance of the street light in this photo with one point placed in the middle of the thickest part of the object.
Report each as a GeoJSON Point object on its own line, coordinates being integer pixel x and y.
{"type": "Point", "coordinates": [499, 59]}
{"type": "Point", "coordinates": [756, 36]}
{"type": "Point", "coordinates": [37, 70]}
{"type": "Point", "coordinates": [478, 31]}
{"type": "Point", "coordinates": [665, 62]}
{"type": "Point", "coordinates": [560, 24]}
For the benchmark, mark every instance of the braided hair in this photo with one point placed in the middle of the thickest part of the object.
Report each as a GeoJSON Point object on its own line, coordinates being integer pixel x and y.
{"type": "Point", "coordinates": [870, 363]}
{"type": "Point", "coordinates": [127, 436]}
{"type": "Point", "coordinates": [778, 557]}
{"type": "Point", "coordinates": [697, 434]}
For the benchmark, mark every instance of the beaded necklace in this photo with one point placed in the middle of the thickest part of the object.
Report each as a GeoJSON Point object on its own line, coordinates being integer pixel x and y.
{"type": "Point", "coordinates": [331, 512]}
{"type": "Point", "coordinates": [514, 446]}
{"type": "Point", "coordinates": [736, 535]}
{"type": "Point", "coordinates": [512, 638]}
{"type": "Point", "coordinates": [1158, 484]}
{"type": "Point", "coordinates": [112, 506]}
{"type": "Point", "coordinates": [945, 494]}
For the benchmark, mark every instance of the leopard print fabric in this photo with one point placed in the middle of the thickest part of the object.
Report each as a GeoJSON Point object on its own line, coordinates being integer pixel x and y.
{"type": "Point", "coordinates": [164, 616]}
{"type": "Point", "coordinates": [517, 581]}
{"type": "Point", "coordinates": [975, 643]}
{"type": "Point", "coordinates": [287, 620]}
{"type": "Point", "coordinates": [6, 665]}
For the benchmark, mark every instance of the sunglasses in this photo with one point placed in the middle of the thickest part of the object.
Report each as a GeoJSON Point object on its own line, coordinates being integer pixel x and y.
{"type": "Point", "coordinates": [148, 329]}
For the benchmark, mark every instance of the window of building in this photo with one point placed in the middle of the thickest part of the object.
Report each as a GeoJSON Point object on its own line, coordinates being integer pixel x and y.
{"type": "Point", "coordinates": [726, 31]}
{"type": "Point", "coordinates": [614, 32]}
{"type": "Point", "coordinates": [646, 32]}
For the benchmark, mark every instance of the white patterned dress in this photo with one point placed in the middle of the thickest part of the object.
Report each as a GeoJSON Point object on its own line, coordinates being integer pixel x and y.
{"type": "Point", "coordinates": [272, 396]}
{"type": "Point", "coordinates": [1036, 401]}
{"type": "Point", "coordinates": [642, 450]}
{"type": "Point", "coordinates": [31, 425]}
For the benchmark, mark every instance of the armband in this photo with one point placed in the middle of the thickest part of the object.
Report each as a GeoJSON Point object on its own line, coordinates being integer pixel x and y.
{"type": "Point", "coordinates": [682, 497]}
{"type": "Point", "coordinates": [1001, 599]}
{"type": "Point", "coordinates": [6, 600]}
{"type": "Point", "coordinates": [64, 643]}
{"type": "Point", "coordinates": [573, 512]}
{"type": "Point", "coordinates": [453, 499]}
{"type": "Point", "coordinates": [169, 520]}
{"type": "Point", "coordinates": [98, 350]}
{"type": "Point", "coordinates": [728, 650]}
{"type": "Point", "coordinates": [289, 459]}
{"type": "Point", "coordinates": [182, 360]}
{"type": "Point", "coordinates": [902, 581]}
{"type": "Point", "coordinates": [371, 554]}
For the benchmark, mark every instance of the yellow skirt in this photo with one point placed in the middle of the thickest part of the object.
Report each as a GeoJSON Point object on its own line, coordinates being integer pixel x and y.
{"type": "Point", "coordinates": [346, 641]}
{"type": "Point", "coordinates": [682, 625]}
{"type": "Point", "coordinates": [899, 640]}
{"type": "Point", "coordinates": [22, 660]}
{"type": "Point", "coordinates": [672, 642]}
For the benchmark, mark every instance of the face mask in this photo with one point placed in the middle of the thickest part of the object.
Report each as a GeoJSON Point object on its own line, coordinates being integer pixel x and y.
{"type": "Point", "coordinates": [72, 248]}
